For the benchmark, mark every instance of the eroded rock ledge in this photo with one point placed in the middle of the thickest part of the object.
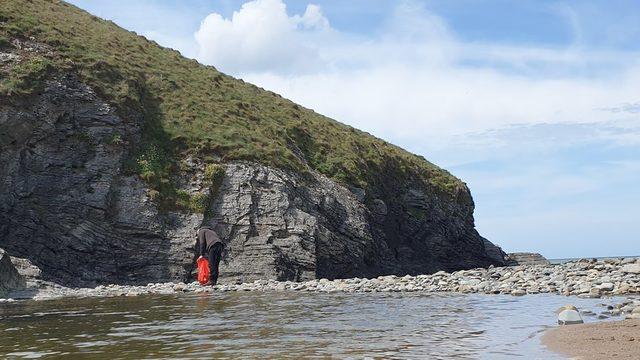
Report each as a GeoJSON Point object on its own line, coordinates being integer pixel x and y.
{"type": "Point", "coordinates": [525, 258]}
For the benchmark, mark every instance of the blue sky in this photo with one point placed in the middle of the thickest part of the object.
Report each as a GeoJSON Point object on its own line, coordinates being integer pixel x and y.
{"type": "Point", "coordinates": [535, 104]}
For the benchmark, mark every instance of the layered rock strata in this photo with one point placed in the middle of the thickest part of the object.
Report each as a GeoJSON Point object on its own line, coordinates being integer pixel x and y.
{"type": "Point", "coordinates": [68, 206]}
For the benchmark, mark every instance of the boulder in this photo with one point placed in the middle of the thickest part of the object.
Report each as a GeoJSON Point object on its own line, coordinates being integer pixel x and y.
{"type": "Point", "coordinates": [569, 315]}
{"type": "Point", "coordinates": [631, 268]}
{"type": "Point", "coordinates": [607, 286]}
{"type": "Point", "coordinates": [635, 313]}
{"type": "Point", "coordinates": [10, 279]}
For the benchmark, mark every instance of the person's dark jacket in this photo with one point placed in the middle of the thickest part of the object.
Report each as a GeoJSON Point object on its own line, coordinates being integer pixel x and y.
{"type": "Point", "coordinates": [206, 239]}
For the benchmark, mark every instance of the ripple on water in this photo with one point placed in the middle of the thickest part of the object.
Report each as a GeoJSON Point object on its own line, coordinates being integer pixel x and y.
{"type": "Point", "coordinates": [283, 325]}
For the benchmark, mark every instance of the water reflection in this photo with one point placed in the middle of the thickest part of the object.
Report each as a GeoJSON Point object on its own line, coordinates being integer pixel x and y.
{"type": "Point", "coordinates": [282, 325]}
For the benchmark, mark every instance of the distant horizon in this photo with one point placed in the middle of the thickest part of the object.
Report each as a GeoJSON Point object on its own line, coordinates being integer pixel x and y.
{"type": "Point", "coordinates": [534, 104]}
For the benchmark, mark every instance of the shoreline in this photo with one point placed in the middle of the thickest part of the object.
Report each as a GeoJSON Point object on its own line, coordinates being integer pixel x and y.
{"type": "Point", "coordinates": [582, 278]}
{"type": "Point", "coordinates": [600, 340]}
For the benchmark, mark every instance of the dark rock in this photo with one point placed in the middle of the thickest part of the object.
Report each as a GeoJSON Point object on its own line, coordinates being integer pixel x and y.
{"type": "Point", "coordinates": [494, 251]}
{"type": "Point", "coordinates": [379, 208]}
{"type": "Point", "coordinates": [10, 279]}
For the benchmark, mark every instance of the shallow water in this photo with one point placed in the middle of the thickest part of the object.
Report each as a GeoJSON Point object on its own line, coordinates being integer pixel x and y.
{"type": "Point", "coordinates": [283, 325]}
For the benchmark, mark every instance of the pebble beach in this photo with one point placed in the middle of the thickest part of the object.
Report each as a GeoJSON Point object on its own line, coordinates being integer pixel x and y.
{"type": "Point", "coordinates": [585, 278]}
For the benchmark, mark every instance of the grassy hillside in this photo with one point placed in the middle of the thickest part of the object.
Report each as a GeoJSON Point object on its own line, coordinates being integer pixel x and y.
{"type": "Point", "coordinates": [192, 108]}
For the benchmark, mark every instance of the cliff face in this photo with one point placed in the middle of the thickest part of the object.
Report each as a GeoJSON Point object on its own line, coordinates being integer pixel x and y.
{"type": "Point", "coordinates": [282, 226]}
{"type": "Point", "coordinates": [67, 205]}
{"type": "Point", "coordinates": [64, 202]}
{"type": "Point", "coordinates": [115, 150]}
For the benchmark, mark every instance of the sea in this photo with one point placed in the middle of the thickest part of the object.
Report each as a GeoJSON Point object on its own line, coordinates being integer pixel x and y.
{"type": "Point", "coordinates": [285, 325]}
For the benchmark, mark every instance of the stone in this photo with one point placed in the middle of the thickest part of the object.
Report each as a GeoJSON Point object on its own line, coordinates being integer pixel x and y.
{"type": "Point", "coordinates": [631, 268]}
{"type": "Point", "coordinates": [10, 279]}
{"type": "Point", "coordinates": [594, 292]}
{"type": "Point", "coordinates": [606, 286]}
{"type": "Point", "coordinates": [627, 308]}
{"type": "Point", "coordinates": [569, 315]}
{"type": "Point", "coordinates": [633, 316]}
{"type": "Point", "coordinates": [622, 289]}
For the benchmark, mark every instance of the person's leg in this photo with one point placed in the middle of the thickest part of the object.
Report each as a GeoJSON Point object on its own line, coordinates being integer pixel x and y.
{"type": "Point", "coordinates": [214, 262]}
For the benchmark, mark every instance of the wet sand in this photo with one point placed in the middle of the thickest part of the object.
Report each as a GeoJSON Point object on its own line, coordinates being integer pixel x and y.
{"type": "Point", "coordinates": [603, 340]}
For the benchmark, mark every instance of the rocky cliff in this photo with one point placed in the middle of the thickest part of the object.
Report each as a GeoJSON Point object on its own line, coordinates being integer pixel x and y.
{"type": "Point", "coordinates": [67, 205]}
{"type": "Point", "coordinates": [72, 205]}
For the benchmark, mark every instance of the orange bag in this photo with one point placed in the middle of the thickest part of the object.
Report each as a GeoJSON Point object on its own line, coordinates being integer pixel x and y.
{"type": "Point", "coordinates": [203, 270]}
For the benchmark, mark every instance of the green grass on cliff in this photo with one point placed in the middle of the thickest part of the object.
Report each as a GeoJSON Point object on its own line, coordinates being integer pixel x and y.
{"type": "Point", "coordinates": [192, 108]}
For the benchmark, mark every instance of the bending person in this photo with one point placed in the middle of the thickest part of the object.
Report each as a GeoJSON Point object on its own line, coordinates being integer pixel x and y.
{"type": "Point", "coordinates": [210, 246]}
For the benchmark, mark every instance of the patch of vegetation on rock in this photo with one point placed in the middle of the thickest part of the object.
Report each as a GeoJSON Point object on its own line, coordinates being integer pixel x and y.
{"type": "Point", "coordinates": [26, 77]}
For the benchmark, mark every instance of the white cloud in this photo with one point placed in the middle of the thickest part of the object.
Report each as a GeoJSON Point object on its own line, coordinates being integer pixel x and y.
{"type": "Point", "coordinates": [415, 80]}
{"type": "Point", "coordinates": [541, 140]}
{"type": "Point", "coordinates": [261, 37]}
{"type": "Point", "coordinates": [312, 19]}
{"type": "Point", "coordinates": [633, 108]}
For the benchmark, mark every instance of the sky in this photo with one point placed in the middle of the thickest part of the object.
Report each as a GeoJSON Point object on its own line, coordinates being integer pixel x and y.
{"type": "Point", "coordinates": [534, 104]}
